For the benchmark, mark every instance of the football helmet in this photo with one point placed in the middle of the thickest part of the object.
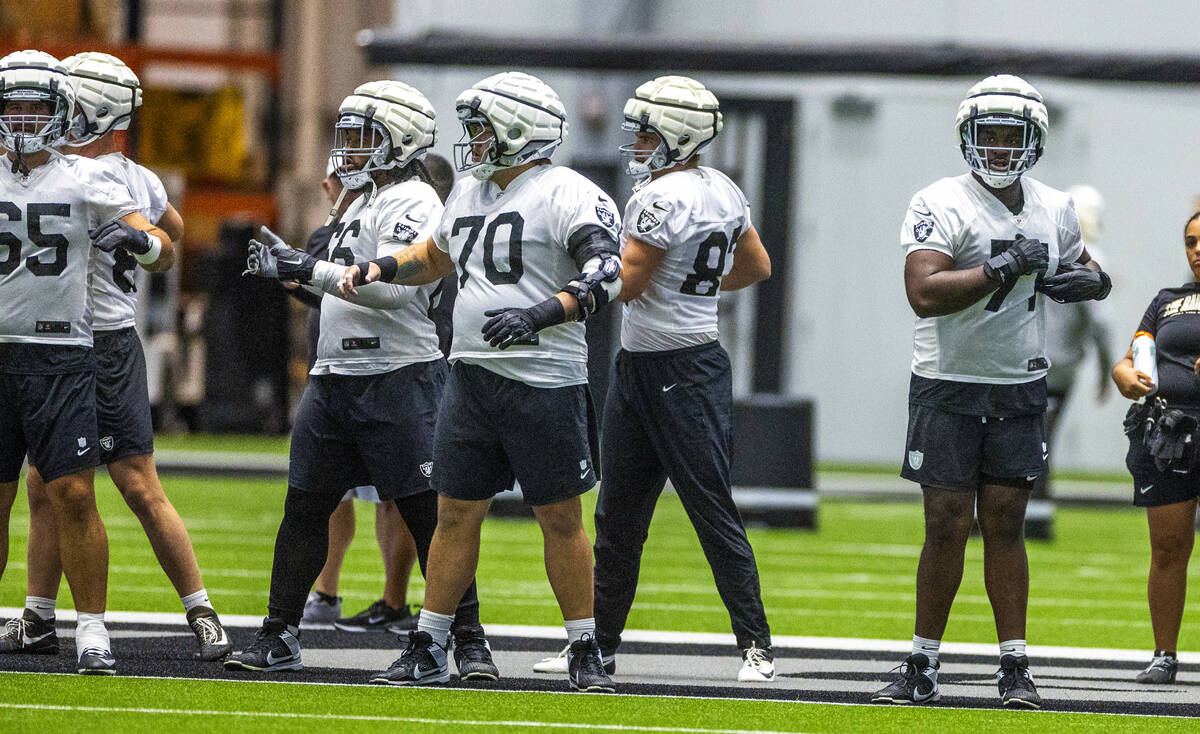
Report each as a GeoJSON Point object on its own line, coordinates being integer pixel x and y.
{"type": "Point", "coordinates": [1089, 207]}
{"type": "Point", "coordinates": [681, 111]}
{"type": "Point", "coordinates": [1009, 101]}
{"type": "Point", "coordinates": [34, 76]}
{"type": "Point", "coordinates": [518, 117]}
{"type": "Point", "coordinates": [389, 122]}
{"type": "Point", "coordinates": [106, 94]}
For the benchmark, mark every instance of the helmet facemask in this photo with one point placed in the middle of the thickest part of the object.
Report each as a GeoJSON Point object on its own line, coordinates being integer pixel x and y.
{"type": "Point", "coordinates": [477, 150]}
{"type": "Point", "coordinates": [24, 129]}
{"type": "Point", "coordinates": [357, 136]}
{"type": "Point", "coordinates": [997, 164]}
{"type": "Point", "coordinates": [641, 163]}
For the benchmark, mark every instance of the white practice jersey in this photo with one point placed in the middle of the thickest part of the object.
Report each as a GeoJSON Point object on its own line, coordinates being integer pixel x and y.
{"type": "Point", "coordinates": [113, 273]}
{"type": "Point", "coordinates": [510, 248]}
{"type": "Point", "coordinates": [45, 294]}
{"type": "Point", "coordinates": [1001, 339]}
{"type": "Point", "coordinates": [354, 339]}
{"type": "Point", "coordinates": [696, 216]}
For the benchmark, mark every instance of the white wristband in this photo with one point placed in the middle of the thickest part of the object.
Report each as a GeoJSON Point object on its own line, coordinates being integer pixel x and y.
{"type": "Point", "coordinates": [152, 255]}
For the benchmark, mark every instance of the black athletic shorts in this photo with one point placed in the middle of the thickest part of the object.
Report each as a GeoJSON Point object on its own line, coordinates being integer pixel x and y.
{"type": "Point", "coordinates": [48, 409]}
{"type": "Point", "coordinates": [122, 396]}
{"type": "Point", "coordinates": [492, 429]}
{"type": "Point", "coordinates": [964, 452]}
{"type": "Point", "coordinates": [1154, 488]}
{"type": "Point", "coordinates": [357, 430]}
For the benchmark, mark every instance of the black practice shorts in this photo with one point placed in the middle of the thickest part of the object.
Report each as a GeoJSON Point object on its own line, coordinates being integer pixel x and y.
{"type": "Point", "coordinates": [357, 430]}
{"type": "Point", "coordinates": [964, 452]}
{"type": "Point", "coordinates": [492, 429]}
{"type": "Point", "coordinates": [50, 415]}
{"type": "Point", "coordinates": [122, 396]}
{"type": "Point", "coordinates": [1154, 488]}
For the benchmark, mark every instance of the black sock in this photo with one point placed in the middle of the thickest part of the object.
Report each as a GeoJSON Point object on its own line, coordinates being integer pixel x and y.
{"type": "Point", "coordinates": [420, 515]}
{"type": "Point", "coordinates": [326, 597]}
{"type": "Point", "coordinates": [300, 549]}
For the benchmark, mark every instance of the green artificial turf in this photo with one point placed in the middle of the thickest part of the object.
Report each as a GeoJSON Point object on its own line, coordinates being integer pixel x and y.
{"type": "Point", "coordinates": [45, 703]}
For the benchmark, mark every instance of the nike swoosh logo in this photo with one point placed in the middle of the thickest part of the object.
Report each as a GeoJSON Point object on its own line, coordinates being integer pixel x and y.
{"type": "Point", "coordinates": [1031, 477]}
{"type": "Point", "coordinates": [584, 473]}
{"type": "Point", "coordinates": [374, 620]}
{"type": "Point", "coordinates": [920, 213]}
{"type": "Point", "coordinates": [1146, 489]}
{"type": "Point", "coordinates": [271, 659]}
{"type": "Point", "coordinates": [81, 452]}
{"type": "Point", "coordinates": [661, 207]}
{"type": "Point", "coordinates": [667, 388]}
{"type": "Point", "coordinates": [31, 640]}
{"type": "Point", "coordinates": [411, 218]}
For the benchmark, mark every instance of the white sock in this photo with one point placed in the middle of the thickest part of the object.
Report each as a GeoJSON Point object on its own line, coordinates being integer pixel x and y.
{"type": "Point", "coordinates": [928, 648]}
{"type": "Point", "coordinates": [198, 599]}
{"type": "Point", "coordinates": [437, 625]}
{"type": "Point", "coordinates": [90, 632]}
{"type": "Point", "coordinates": [577, 628]}
{"type": "Point", "coordinates": [41, 606]}
{"type": "Point", "coordinates": [1012, 647]}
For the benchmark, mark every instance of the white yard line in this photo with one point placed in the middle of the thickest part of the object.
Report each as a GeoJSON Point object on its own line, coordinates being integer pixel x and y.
{"type": "Point", "coordinates": [478, 691]}
{"type": "Point", "coordinates": [850, 644]}
{"type": "Point", "coordinates": [383, 719]}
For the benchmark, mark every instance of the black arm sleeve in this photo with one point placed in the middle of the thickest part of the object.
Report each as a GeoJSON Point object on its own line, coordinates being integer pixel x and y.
{"type": "Point", "coordinates": [591, 241]}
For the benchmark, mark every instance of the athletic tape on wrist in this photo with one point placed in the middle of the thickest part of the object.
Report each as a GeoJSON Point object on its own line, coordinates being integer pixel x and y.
{"type": "Point", "coordinates": [152, 254]}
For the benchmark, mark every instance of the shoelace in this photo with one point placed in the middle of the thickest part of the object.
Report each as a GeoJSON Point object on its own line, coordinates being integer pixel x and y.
{"type": "Point", "coordinates": [473, 649]}
{"type": "Point", "coordinates": [99, 651]}
{"type": "Point", "coordinates": [907, 671]}
{"type": "Point", "coordinates": [207, 628]}
{"type": "Point", "coordinates": [1010, 676]}
{"type": "Point", "coordinates": [591, 662]}
{"type": "Point", "coordinates": [262, 640]}
{"type": "Point", "coordinates": [1161, 662]}
{"type": "Point", "coordinates": [756, 656]}
{"type": "Point", "coordinates": [16, 627]}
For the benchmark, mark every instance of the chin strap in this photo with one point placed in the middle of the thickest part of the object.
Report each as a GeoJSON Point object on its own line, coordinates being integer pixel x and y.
{"type": "Point", "coordinates": [333, 213]}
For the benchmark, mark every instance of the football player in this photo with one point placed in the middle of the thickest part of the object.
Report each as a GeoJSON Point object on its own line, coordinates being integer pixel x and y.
{"type": "Point", "coordinates": [56, 209]}
{"type": "Point", "coordinates": [106, 94]}
{"type": "Point", "coordinates": [981, 251]}
{"type": "Point", "coordinates": [367, 415]}
{"type": "Point", "coordinates": [668, 412]}
{"type": "Point", "coordinates": [534, 247]}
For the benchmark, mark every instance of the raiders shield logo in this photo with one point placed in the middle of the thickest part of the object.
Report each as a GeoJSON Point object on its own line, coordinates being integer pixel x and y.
{"type": "Point", "coordinates": [922, 229]}
{"type": "Point", "coordinates": [647, 221]}
{"type": "Point", "coordinates": [106, 443]}
{"type": "Point", "coordinates": [916, 459]}
{"type": "Point", "coordinates": [427, 469]}
{"type": "Point", "coordinates": [404, 233]}
{"type": "Point", "coordinates": [607, 218]}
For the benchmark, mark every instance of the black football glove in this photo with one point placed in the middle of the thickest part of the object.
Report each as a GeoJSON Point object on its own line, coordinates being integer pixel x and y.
{"type": "Point", "coordinates": [1076, 283]}
{"type": "Point", "coordinates": [275, 259]}
{"type": "Point", "coordinates": [508, 326]}
{"type": "Point", "coordinates": [1023, 257]}
{"type": "Point", "coordinates": [119, 233]}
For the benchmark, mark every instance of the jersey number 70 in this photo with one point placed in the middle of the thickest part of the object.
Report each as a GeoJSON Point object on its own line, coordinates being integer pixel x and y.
{"type": "Point", "coordinates": [993, 304]}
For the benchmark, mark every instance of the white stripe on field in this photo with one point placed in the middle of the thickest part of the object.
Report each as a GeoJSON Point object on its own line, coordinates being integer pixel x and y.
{"type": "Point", "coordinates": [798, 642]}
{"type": "Point", "coordinates": [474, 691]}
{"type": "Point", "coordinates": [387, 719]}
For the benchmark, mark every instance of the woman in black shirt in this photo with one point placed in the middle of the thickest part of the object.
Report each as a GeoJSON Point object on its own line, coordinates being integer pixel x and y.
{"type": "Point", "coordinates": [1171, 327]}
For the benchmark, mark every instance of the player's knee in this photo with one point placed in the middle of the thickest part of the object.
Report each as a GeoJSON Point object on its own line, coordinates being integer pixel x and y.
{"type": "Point", "coordinates": [456, 516]}
{"type": "Point", "coordinates": [1171, 549]}
{"type": "Point", "coordinates": [72, 498]}
{"type": "Point", "coordinates": [561, 520]}
{"type": "Point", "coordinates": [143, 499]}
